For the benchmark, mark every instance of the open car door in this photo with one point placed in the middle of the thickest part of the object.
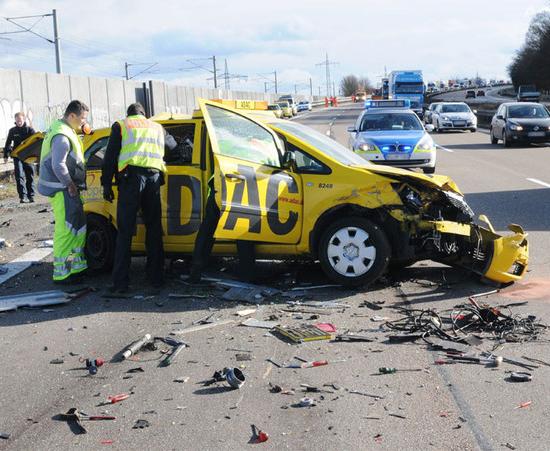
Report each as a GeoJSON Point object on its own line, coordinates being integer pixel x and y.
{"type": "Point", "coordinates": [29, 150]}
{"type": "Point", "coordinates": [258, 199]}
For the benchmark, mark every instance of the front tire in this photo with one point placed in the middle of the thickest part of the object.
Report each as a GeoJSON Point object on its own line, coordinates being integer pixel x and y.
{"type": "Point", "coordinates": [505, 141]}
{"type": "Point", "coordinates": [354, 251]}
{"type": "Point", "coordinates": [100, 243]}
{"type": "Point", "coordinates": [429, 170]}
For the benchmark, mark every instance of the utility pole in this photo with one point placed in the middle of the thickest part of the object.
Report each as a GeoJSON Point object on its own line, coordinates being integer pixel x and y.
{"type": "Point", "coordinates": [54, 41]}
{"type": "Point", "coordinates": [126, 71]}
{"type": "Point", "coordinates": [295, 89]}
{"type": "Point", "coordinates": [226, 75]}
{"type": "Point", "coordinates": [327, 65]}
{"type": "Point", "coordinates": [128, 65]}
{"type": "Point", "coordinates": [310, 87]}
{"type": "Point", "coordinates": [265, 86]}
{"type": "Point", "coordinates": [215, 72]}
{"type": "Point", "coordinates": [276, 84]}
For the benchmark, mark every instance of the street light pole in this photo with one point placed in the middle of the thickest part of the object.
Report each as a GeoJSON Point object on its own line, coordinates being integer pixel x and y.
{"type": "Point", "coordinates": [276, 85]}
{"type": "Point", "coordinates": [56, 43]}
{"type": "Point", "coordinates": [215, 72]}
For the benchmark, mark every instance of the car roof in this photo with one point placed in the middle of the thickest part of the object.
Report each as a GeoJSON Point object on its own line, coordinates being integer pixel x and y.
{"type": "Point", "coordinates": [388, 110]}
{"type": "Point", "coordinates": [520, 103]}
{"type": "Point", "coordinates": [454, 103]}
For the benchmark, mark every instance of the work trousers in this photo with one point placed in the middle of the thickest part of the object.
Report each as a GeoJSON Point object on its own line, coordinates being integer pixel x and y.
{"type": "Point", "coordinates": [139, 188]}
{"type": "Point", "coordinates": [69, 237]}
{"type": "Point", "coordinates": [24, 175]}
{"type": "Point", "coordinates": [205, 242]}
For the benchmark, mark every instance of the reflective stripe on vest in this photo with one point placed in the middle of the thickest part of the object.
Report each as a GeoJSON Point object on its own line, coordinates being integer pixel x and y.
{"type": "Point", "coordinates": [142, 144]}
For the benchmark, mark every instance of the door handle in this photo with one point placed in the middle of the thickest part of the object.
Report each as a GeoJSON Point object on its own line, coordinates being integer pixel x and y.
{"type": "Point", "coordinates": [235, 177]}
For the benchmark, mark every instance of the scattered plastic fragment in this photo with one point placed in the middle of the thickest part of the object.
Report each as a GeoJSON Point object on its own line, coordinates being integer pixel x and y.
{"type": "Point", "coordinates": [139, 369]}
{"type": "Point", "coordinates": [141, 424]}
{"type": "Point", "coordinates": [181, 380]}
{"type": "Point", "coordinates": [252, 322]}
{"type": "Point", "coordinates": [243, 357]}
{"type": "Point", "coordinates": [116, 398]}
{"type": "Point", "coordinates": [258, 436]}
{"type": "Point", "coordinates": [37, 299]}
{"type": "Point", "coordinates": [524, 405]}
{"type": "Point", "coordinates": [4, 436]}
{"type": "Point", "coordinates": [520, 376]}
{"type": "Point", "coordinates": [136, 346]}
{"type": "Point", "coordinates": [306, 402]}
{"type": "Point", "coordinates": [201, 327]}
{"type": "Point", "coordinates": [57, 361]}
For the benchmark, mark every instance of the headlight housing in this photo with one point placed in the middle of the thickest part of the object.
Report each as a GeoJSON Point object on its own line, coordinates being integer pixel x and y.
{"type": "Point", "coordinates": [367, 147]}
{"type": "Point", "coordinates": [426, 143]}
{"type": "Point", "coordinates": [445, 118]}
{"type": "Point", "coordinates": [515, 127]}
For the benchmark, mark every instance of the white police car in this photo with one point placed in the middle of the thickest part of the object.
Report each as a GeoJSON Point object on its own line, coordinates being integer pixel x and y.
{"type": "Point", "coordinates": [389, 132]}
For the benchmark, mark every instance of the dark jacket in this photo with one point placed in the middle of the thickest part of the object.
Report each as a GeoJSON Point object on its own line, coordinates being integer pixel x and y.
{"type": "Point", "coordinates": [16, 136]}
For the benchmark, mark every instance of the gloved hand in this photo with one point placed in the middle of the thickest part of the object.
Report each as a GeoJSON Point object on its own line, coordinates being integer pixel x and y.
{"type": "Point", "coordinates": [108, 193]}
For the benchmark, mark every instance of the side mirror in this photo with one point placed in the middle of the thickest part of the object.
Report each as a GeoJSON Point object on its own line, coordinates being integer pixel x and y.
{"type": "Point", "coordinates": [352, 129]}
{"type": "Point", "coordinates": [429, 128]}
{"type": "Point", "coordinates": [289, 160]}
{"type": "Point", "coordinates": [500, 117]}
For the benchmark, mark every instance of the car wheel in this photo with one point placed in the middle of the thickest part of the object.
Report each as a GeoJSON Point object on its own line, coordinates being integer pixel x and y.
{"type": "Point", "coordinates": [473, 130]}
{"type": "Point", "coordinates": [492, 135]}
{"type": "Point", "coordinates": [428, 170]}
{"type": "Point", "coordinates": [354, 251]}
{"type": "Point", "coordinates": [100, 243]}
{"type": "Point", "coordinates": [505, 141]}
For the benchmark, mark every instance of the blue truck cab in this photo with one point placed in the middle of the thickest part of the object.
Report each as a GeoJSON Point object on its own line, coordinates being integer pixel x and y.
{"type": "Point", "coordinates": [388, 132]}
{"type": "Point", "coordinates": [408, 85]}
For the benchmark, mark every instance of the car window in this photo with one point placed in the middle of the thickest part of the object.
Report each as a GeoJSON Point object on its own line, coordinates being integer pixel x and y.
{"type": "Point", "coordinates": [96, 153]}
{"type": "Point", "coordinates": [389, 121]}
{"type": "Point", "coordinates": [305, 163]}
{"type": "Point", "coordinates": [242, 138]}
{"type": "Point", "coordinates": [527, 111]}
{"type": "Point", "coordinates": [500, 111]}
{"type": "Point", "coordinates": [322, 142]}
{"type": "Point", "coordinates": [455, 108]}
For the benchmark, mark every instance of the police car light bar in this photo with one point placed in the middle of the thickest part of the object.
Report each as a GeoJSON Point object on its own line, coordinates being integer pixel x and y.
{"type": "Point", "coordinates": [397, 103]}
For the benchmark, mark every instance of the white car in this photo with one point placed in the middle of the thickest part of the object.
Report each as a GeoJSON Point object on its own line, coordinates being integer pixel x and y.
{"type": "Point", "coordinates": [454, 116]}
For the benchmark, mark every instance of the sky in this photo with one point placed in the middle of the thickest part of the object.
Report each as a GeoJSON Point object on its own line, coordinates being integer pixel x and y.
{"type": "Point", "coordinates": [444, 39]}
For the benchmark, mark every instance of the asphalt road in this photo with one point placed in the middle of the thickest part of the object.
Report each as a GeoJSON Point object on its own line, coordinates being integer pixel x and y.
{"type": "Point", "coordinates": [491, 96]}
{"type": "Point", "coordinates": [458, 407]}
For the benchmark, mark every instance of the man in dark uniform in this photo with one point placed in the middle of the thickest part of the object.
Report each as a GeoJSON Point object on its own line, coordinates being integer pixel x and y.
{"type": "Point", "coordinates": [134, 157]}
{"type": "Point", "coordinates": [24, 172]}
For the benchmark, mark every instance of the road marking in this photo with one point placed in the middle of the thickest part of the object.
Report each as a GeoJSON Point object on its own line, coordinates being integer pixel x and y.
{"type": "Point", "coordinates": [24, 261]}
{"type": "Point", "coordinates": [540, 182]}
{"type": "Point", "coordinates": [444, 148]}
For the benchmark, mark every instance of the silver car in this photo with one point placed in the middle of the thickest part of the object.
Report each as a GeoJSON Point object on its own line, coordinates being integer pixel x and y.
{"type": "Point", "coordinates": [454, 116]}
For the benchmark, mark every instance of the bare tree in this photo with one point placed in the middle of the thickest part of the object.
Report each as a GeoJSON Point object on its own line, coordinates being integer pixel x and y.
{"type": "Point", "coordinates": [365, 84]}
{"type": "Point", "coordinates": [349, 85]}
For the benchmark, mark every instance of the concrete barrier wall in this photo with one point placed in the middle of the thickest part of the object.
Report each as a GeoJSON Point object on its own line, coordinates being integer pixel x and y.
{"type": "Point", "coordinates": [44, 96]}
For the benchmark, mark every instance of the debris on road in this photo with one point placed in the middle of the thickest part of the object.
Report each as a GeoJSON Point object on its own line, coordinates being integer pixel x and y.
{"type": "Point", "coordinates": [356, 392]}
{"type": "Point", "coordinates": [37, 299]}
{"type": "Point", "coordinates": [201, 327]}
{"type": "Point", "coordinates": [258, 436]}
{"type": "Point", "coordinates": [389, 370]}
{"type": "Point", "coordinates": [252, 322]}
{"type": "Point", "coordinates": [57, 361]}
{"type": "Point", "coordinates": [181, 380]}
{"type": "Point", "coordinates": [519, 376]}
{"type": "Point", "coordinates": [306, 402]}
{"type": "Point", "coordinates": [243, 357]}
{"type": "Point", "coordinates": [4, 436]}
{"type": "Point", "coordinates": [233, 376]}
{"type": "Point", "coordinates": [136, 346]}
{"type": "Point", "coordinates": [114, 399]}
{"type": "Point", "coordinates": [92, 364]}
{"type": "Point", "coordinates": [74, 418]}
{"type": "Point", "coordinates": [302, 334]}
{"type": "Point", "coordinates": [246, 312]}
{"type": "Point", "coordinates": [353, 338]}
{"type": "Point", "coordinates": [524, 405]}
{"type": "Point", "coordinates": [141, 424]}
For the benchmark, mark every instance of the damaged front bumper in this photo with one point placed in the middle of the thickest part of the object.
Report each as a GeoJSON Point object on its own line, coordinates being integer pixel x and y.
{"type": "Point", "coordinates": [501, 259]}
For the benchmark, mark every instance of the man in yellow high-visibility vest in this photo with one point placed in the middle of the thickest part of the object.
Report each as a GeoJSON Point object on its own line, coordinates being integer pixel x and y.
{"type": "Point", "coordinates": [135, 158]}
{"type": "Point", "coordinates": [62, 177]}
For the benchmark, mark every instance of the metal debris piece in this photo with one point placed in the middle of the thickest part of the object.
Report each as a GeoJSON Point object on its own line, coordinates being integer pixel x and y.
{"type": "Point", "coordinates": [303, 333]}
{"type": "Point", "coordinates": [243, 357]}
{"type": "Point", "coordinates": [352, 338]}
{"type": "Point", "coordinates": [187, 296]}
{"type": "Point", "coordinates": [520, 376]}
{"type": "Point", "coordinates": [252, 322]}
{"type": "Point", "coordinates": [246, 312]}
{"type": "Point", "coordinates": [57, 361]}
{"type": "Point", "coordinates": [306, 402]}
{"type": "Point", "coordinates": [356, 392]}
{"type": "Point", "coordinates": [4, 436]}
{"type": "Point", "coordinates": [201, 327]}
{"type": "Point", "coordinates": [181, 380]}
{"type": "Point", "coordinates": [37, 299]}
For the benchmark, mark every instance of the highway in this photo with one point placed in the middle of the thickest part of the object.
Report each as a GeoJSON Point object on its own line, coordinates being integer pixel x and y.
{"type": "Point", "coordinates": [451, 407]}
{"type": "Point", "coordinates": [491, 96]}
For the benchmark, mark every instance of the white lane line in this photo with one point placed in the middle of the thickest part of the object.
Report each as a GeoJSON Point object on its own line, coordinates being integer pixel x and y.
{"type": "Point", "coordinates": [24, 261]}
{"type": "Point", "coordinates": [540, 182]}
{"type": "Point", "coordinates": [444, 148]}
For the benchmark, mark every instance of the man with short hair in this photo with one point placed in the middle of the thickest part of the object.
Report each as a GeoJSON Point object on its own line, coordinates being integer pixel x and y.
{"type": "Point", "coordinates": [24, 172]}
{"type": "Point", "coordinates": [135, 159]}
{"type": "Point", "coordinates": [62, 177]}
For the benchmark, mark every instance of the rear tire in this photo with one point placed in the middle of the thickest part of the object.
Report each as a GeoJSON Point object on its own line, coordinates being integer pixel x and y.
{"type": "Point", "coordinates": [492, 135]}
{"type": "Point", "coordinates": [354, 251]}
{"type": "Point", "coordinates": [100, 243]}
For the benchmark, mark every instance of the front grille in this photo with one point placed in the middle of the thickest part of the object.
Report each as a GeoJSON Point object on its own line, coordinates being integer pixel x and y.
{"type": "Point", "coordinates": [400, 162]}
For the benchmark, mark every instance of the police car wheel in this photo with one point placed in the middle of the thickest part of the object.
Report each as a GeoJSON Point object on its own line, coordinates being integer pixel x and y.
{"type": "Point", "coordinates": [429, 170]}
{"type": "Point", "coordinates": [354, 251]}
{"type": "Point", "coordinates": [493, 139]}
{"type": "Point", "coordinates": [100, 243]}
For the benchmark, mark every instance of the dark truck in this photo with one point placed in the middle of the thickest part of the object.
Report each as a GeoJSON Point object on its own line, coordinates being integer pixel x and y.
{"type": "Point", "coordinates": [528, 93]}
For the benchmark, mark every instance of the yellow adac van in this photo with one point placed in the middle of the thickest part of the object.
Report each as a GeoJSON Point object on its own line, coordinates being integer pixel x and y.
{"type": "Point", "coordinates": [298, 193]}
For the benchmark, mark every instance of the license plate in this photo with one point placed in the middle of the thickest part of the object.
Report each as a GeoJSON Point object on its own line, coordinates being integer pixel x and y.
{"type": "Point", "coordinates": [536, 134]}
{"type": "Point", "coordinates": [460, 124]}
{"type": "Point", "coordinates": [397, 156]}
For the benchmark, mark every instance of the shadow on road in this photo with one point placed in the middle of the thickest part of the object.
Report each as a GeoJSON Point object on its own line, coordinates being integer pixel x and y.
{"type": "Point", "coordinates": [528, 208]}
